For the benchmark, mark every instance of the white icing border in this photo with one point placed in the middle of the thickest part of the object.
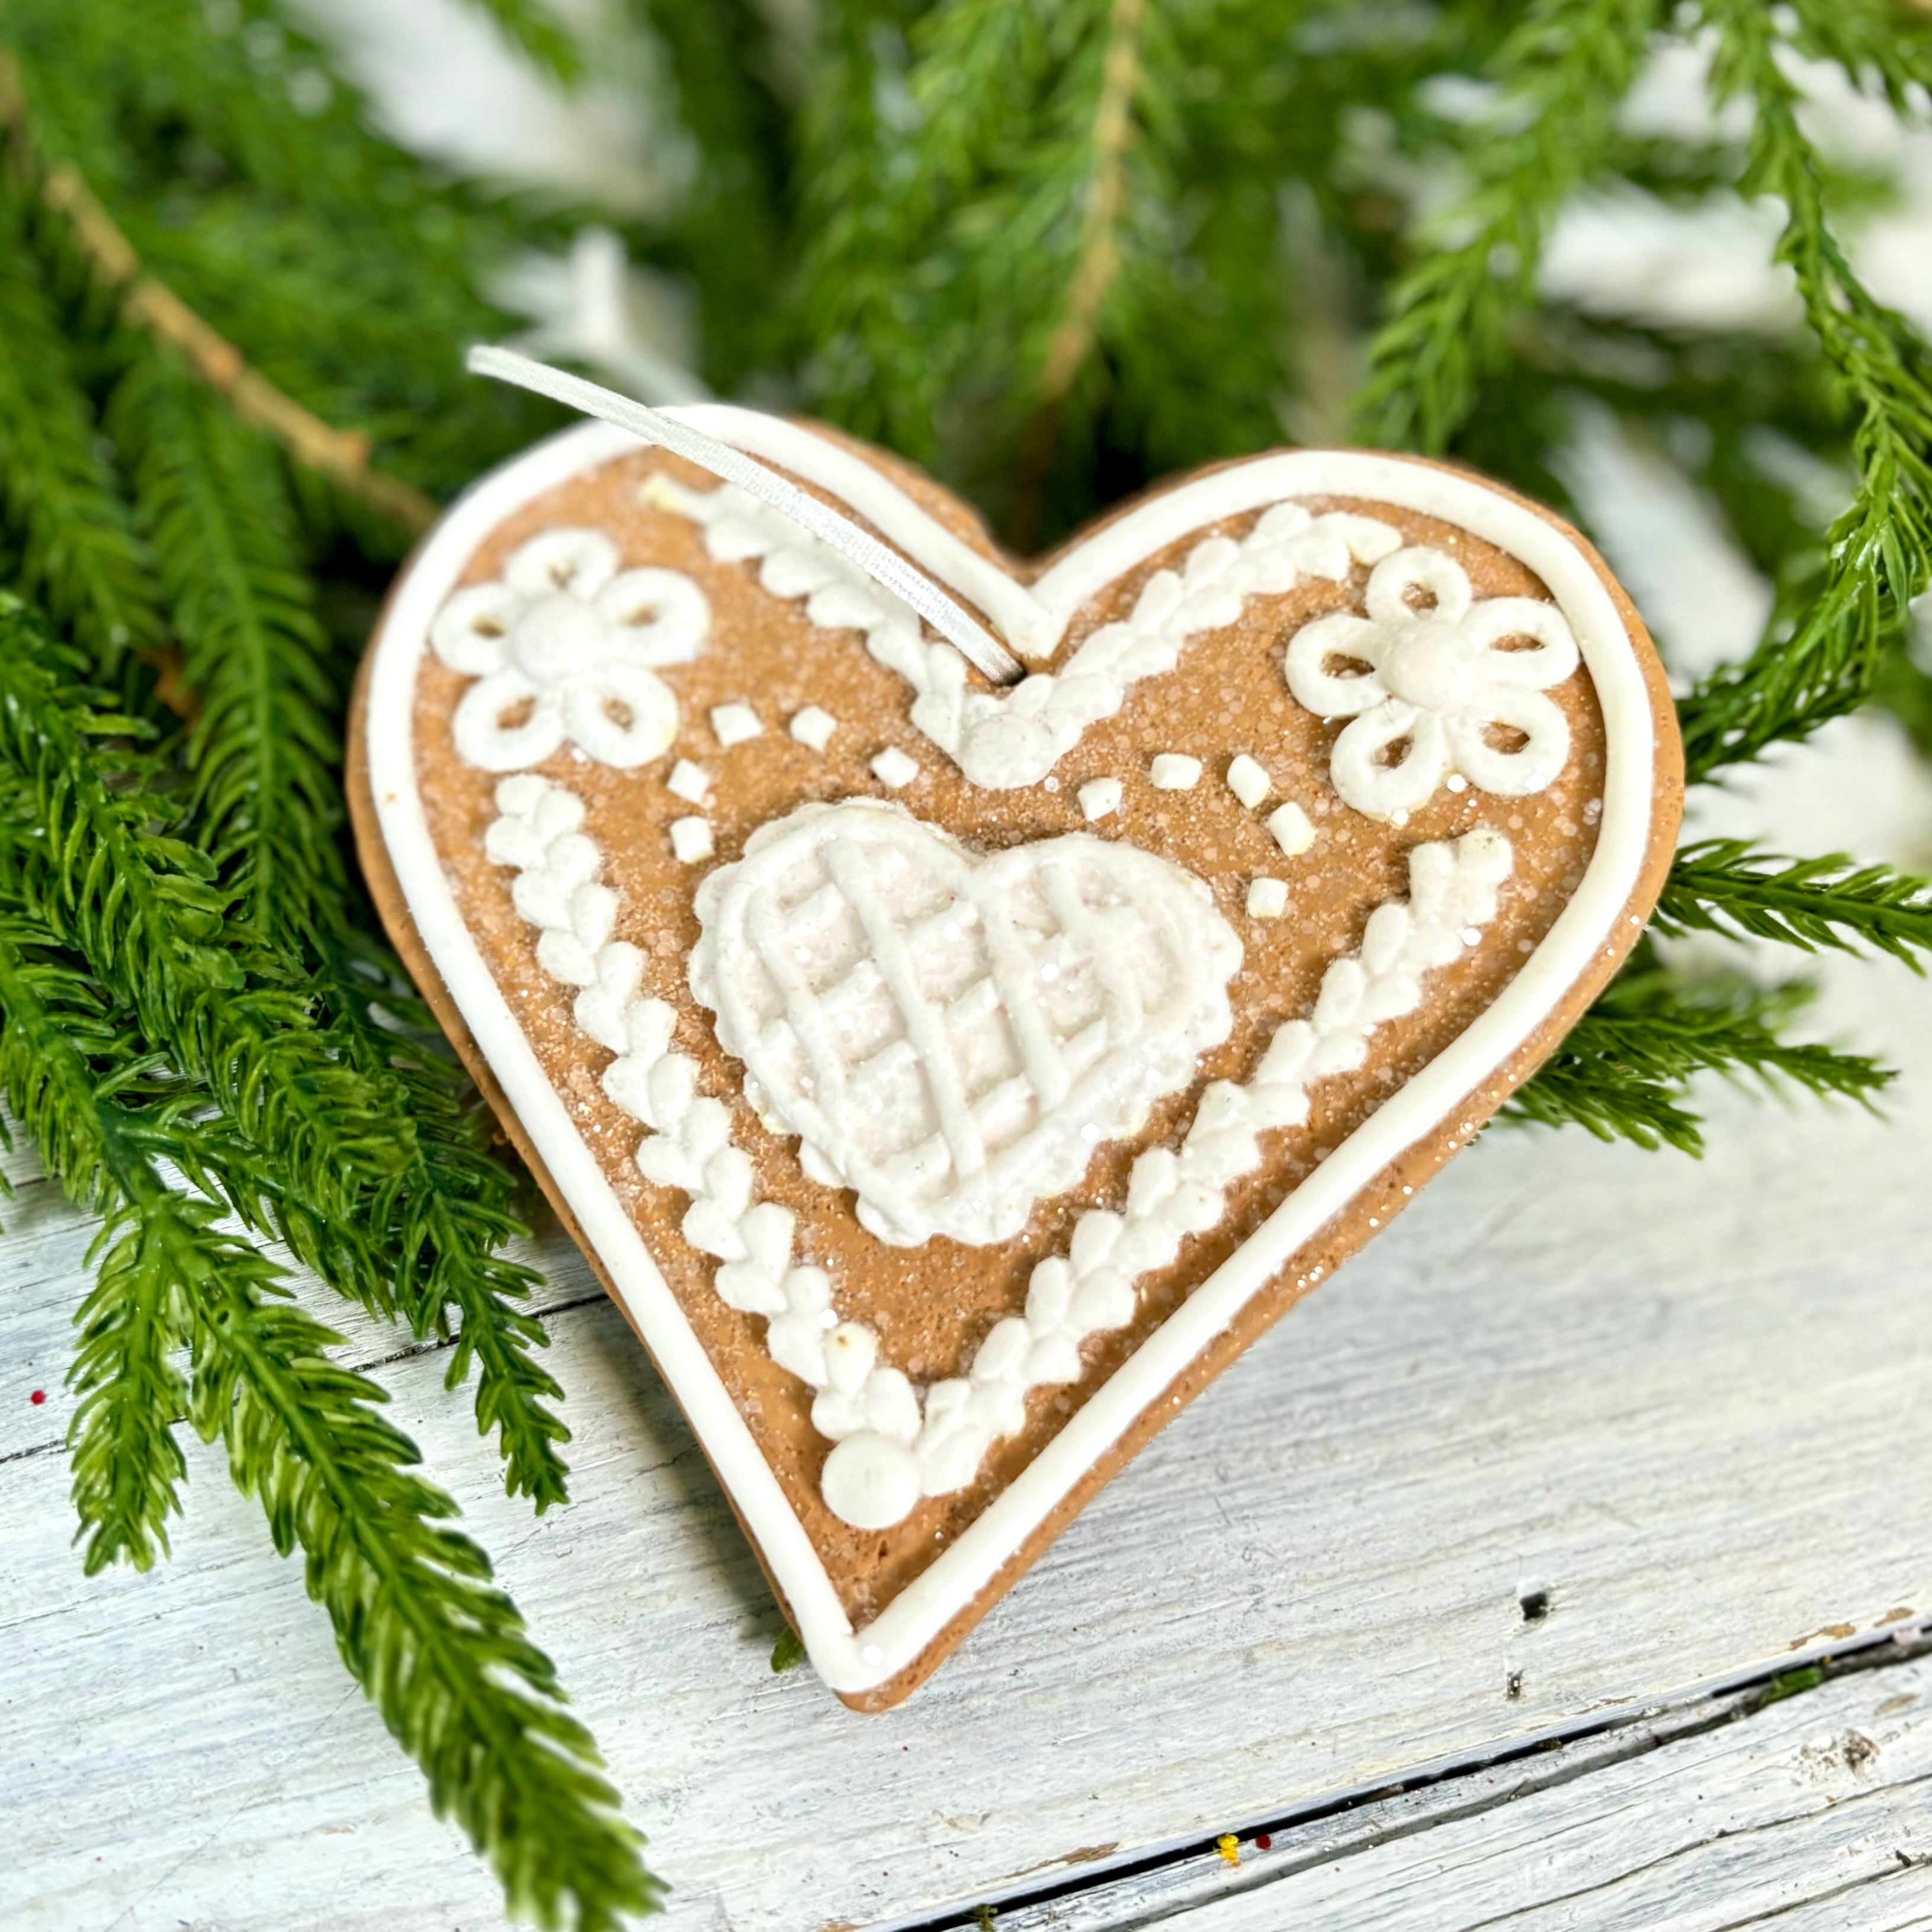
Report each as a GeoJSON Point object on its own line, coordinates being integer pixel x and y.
{"type": "Point", "coordinates": [856, 1661]}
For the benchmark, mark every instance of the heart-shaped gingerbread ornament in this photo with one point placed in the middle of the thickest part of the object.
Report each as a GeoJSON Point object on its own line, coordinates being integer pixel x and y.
{"type": "Point", "coordinates": [948, 1080]}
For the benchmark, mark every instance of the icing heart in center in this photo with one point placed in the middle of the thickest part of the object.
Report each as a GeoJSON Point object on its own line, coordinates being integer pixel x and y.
{"type": "Point", "coordinates": [952, 1036]}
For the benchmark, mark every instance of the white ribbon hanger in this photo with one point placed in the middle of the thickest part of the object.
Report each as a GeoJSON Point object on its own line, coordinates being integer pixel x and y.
{"type": "Point", "coordinates": [884, 566]}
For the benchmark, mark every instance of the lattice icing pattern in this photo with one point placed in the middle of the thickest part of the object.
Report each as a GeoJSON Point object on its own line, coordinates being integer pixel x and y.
{"type": "Point", "coordinates": [1005, 739]}
{"type": "Point", "coordinates": [893, 1446]}
{"type": "Point", "coordinates": [951, 1035]}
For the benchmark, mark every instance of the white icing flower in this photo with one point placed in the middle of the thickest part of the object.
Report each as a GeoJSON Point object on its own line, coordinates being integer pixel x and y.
{"type": "Point", "coordinates": [1440, 679]}
{"type": "Point", "coordinates": [565, 647]}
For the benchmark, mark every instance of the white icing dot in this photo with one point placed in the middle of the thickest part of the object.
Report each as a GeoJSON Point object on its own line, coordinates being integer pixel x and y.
{"type": "Point", "coordinates": [1267, 898]}
{"type": "Point", "coordinates": [812, 728]}
{"type": "Point", "coordinates": [1292, 829]}
{"type": "Point", "coordinates": [1174, 771]}
{"type": "Point", "coordinates": [687, 781]}
{"type": "Point", "coordinates": [1247, 781]}
{"type": "Point", "coordinates": [893, 768]}
{"type": "Point", "coordinates": [1398, 818]}
{"type": "Point", "coordinates": [1471, 935]}
{"type": "Point", "coordinates": [690, 839]}
{"type": "Point", "coordinates": [1051, 782]}
{"type": "Point", "coordinates": [870, 1481]}
{"type": "Point", "coordinates": [1456, 781]}
{"type": "Point", "coordinates": [733, 723]}
{"type": "Point", "coordinates": [1099, 796]}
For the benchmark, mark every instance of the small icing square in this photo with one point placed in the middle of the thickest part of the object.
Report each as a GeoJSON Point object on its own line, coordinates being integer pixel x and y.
{"type": "Point", "coordinates": [1099, 796]}
{"type": "Point", "coordinates": [1174, 771]}
{"type": "Point", "coordinates": [1247, 781]}
{"type": "Point", "coordinates": [733, 723]}
{"type": "Point", "coordinates": [1293, 830]}
{"type": "Point", "coordinates": [1267, 898]}
{"type": "Point", "coordinates": [688, 781]}
{"type": "Point", "coordinates": [812, 728]}
{"type": "Point", "coordinates": [690, 839]}
{"type": "Point", "coordinates": [893, 768]}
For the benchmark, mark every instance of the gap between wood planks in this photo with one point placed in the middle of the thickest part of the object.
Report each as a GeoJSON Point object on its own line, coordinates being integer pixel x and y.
{"type": "Point", "coordinates": [1176, 1877]}
{"type": "Point", "coordinates": [1151, 1887]}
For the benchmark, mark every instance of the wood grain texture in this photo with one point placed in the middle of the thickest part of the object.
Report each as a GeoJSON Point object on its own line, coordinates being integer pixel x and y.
{"type": "Point", "coordinates": [1688, 1399]}
{"type": "Point", "coordinates": [1815, 1811]}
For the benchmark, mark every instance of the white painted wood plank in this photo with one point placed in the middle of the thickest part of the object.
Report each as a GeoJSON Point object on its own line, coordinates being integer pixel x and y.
{"type": "Point", "coordinates": [1816, 1811]}
{"type": "Point", "coordinates": [1274, 1857]}
{"type": "Point", "coordinates": [1687, 1398]}
{"type": "Point", "coordinates": [44, 1247]}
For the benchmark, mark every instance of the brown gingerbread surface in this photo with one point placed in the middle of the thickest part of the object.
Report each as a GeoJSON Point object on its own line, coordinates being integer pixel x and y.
{"type": "Point", "coordinates": [931, 1304]}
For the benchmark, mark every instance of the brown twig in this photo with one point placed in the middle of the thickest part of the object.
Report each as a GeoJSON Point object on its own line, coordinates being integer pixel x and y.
{"type": "Point", "coordinates": [1099, 260]}
{"type": "Point", "coordinates": [341, 455]}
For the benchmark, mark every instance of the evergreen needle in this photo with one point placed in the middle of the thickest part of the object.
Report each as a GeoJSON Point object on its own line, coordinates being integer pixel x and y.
{"type": "Point", "coordinates": [79, 553]}
{"type": "Point", "coordinates": [143, 909]}
{"type": "Point", "coordinates": [266, 799]}
{"type": "Point", "coordinates": [1560, 76]}
{"type": "Point", "coordinates": [1722, 885]}
{"type": "Point", "coordinates": [442, 1653]}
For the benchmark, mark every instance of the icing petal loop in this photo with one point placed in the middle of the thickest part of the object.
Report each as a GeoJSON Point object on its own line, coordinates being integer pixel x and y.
{"type": "Point", "coordinates": [566, 649]}
{"type": "Point", "coordinates": [1426, 678]}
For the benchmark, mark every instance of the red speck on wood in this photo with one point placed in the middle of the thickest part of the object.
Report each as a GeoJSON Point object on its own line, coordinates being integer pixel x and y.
{"type": "Point", "coordinates": [38, 1396]}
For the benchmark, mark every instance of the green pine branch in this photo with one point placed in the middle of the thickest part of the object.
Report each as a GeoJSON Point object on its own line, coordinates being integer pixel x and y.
{"type": "Point", "coordinates": [443, 1654]}
{"type": "Point", "coordinates": [438, 1228]}
{"type": "Point", "coordinates": [1724, 885]}
{"type": "Point", "coordinates": [1624, 1071]}
{"type": "Point", "coordinates": [373, 1178]}
{"type": "Point", "coordinates": [266, 799]}
{"type": "Point", "coordinates": [78, 552]}
{"type": "Point", "coordinates": [143, 908]}
{"type": "Point", "coordinates": [89, 1096]}
{"type": "Point", "coordinates": [441, 1651]}
{"type": "Point", "coordinates": [1880, 549]}
{"type": "Point", "coordinates": [729, 234]}
{"type": "Point", "coordinates": [1560, 77]}
{"type": "Point", "coordinates": [247, 171]}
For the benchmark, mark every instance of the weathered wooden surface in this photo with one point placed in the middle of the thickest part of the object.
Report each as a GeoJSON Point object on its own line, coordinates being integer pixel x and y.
{"type": "Point", "coordinates": [1688, 1400]}
{"type": "Point", "coordinates": [1729, 1812]}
